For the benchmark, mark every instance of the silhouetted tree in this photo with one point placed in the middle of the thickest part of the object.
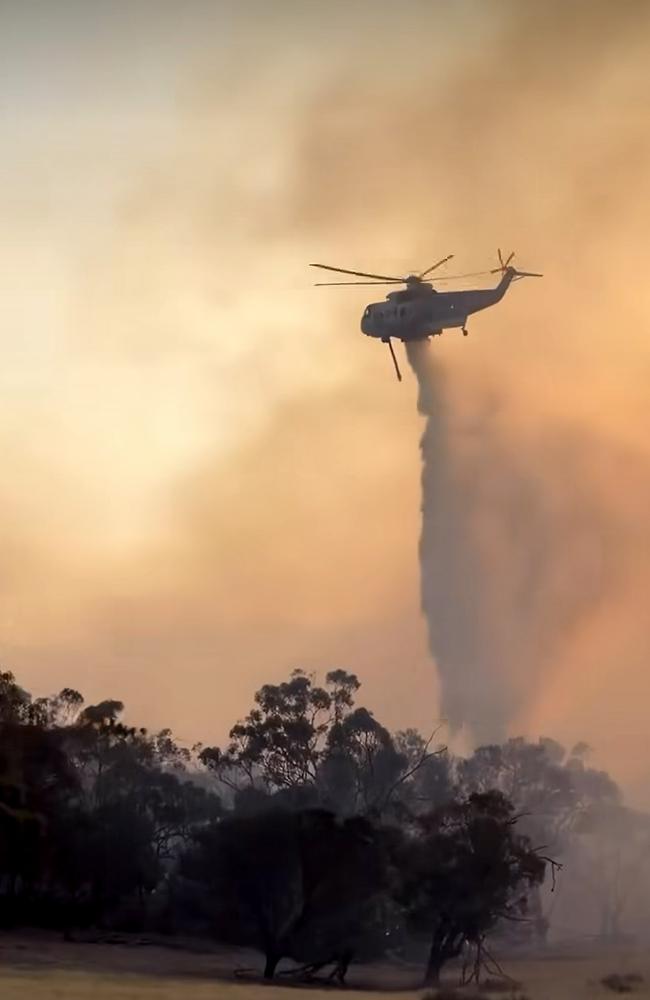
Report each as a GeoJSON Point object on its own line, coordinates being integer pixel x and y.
{"type": "Point", "coordinates": [338, 831]}
{"type": "Point", "coordinates": [36, 783]}
{"type": "Point", "coordinates": [464, 869]}
{"type": "Point", "coordinates": [292, 884]}
{"type": "Point", "coordinates": [92, 812]}
{"type": "Point", "coordinates": [431, 776]}
{"type": "Point", "coordinates": [547, 786]}
{"type": "Point", "coordinates": [552, 791]}
{"type": "Point", "coordinates": [136, 811]}
{"type": "Point", "coordinates": [280, 743]}
{"type": "Point", "coordinates": [311, 746]}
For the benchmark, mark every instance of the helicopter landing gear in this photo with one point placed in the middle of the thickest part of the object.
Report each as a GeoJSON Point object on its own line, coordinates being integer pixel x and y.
{"type": "Point", "coordinates": [387, 340]}
{"type": "Point", "coordinates": [465, 331]}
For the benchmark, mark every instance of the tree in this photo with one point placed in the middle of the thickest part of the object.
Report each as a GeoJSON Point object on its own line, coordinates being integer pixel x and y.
{"type": "Point", "coordinates": [292, 884]}
{"type": "Point", "coordinates": [610, 871]}
{"type": "Point", "coordinates": [360, 765]}
{"type": "Point", "coordinates": [548, 787]}
{"type": "Point", "coordinates": [462, 871]}
{"type": "Point", "coordinates": [14, 701]}
{"type": "Point", "coordinates": [552, 791]}
{"type": "Point", "coordinates": [280, 743]}
{"type": "Point", "coordinates": [430, 780]}
{"type": "Point", "coordinates": [339, 831]}
{"type": "Point", "coordinates": [136, 811]}
{"type": "Point", "coordinates": [311, 746]}
{"type": "Point", "coordinates": [36, 781]}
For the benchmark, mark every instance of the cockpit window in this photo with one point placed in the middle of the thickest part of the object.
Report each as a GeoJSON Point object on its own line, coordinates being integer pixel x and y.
{"type": "Point", "coordinates": [367, 312]}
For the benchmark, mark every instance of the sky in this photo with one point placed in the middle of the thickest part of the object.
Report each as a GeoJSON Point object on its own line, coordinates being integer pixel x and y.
{"type": "Point", "coordinates": [209, 476]}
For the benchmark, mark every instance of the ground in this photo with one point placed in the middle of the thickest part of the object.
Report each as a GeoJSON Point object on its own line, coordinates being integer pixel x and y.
{"type": "Point", "coordinates": [45, 968]}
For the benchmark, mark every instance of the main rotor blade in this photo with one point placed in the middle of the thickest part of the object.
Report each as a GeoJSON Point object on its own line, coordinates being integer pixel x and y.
{"type": "Point", "coordinates": [392, 354]}
{"type": "Point", "coordinates": [325, 284]}
{"type": "Point", "coordinates": [454, 277]}
{"type": "Point", "coordinates": [434, 266]}
{"type": "Point", "coordinates": [360, 274]}
{"type": "Point", "coordinates": [448, 277]}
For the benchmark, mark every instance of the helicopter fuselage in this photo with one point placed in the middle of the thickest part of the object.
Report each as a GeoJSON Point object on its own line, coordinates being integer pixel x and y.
{"type": "Point", "coordinates": [420, 311]}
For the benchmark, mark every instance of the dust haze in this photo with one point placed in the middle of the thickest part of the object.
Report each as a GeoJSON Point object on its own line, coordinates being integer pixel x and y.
{"type": "Point", "coordinates": [252, 448]}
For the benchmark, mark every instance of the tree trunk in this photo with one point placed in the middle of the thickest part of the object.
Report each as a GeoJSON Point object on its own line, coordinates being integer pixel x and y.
{"type": "Point", "coordinates": [342, 967]}
{"type": "Point", "coordinates": [270, 964]}
{"type": "Point", "coordinates": [435, 963]}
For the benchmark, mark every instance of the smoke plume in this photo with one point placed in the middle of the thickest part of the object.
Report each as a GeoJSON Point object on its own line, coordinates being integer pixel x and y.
{"type": "Point", "coordinates": [519, 550]}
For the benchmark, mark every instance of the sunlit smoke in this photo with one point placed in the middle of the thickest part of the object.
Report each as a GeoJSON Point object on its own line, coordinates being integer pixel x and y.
{"type": "Point", "coordinates": [217, 469]}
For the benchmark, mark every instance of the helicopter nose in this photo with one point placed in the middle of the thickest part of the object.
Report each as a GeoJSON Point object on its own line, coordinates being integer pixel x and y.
{"type": "Point", "coordinates": [366, 323]}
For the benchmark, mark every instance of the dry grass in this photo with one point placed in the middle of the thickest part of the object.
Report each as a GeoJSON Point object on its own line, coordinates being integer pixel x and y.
{"type": "Point", "coordinates": [483, 992]}
{"type": "Point", "coordinates": [623, 983]}
{"type": "Point", "coordinates": [493, 985]}
{"type": "Point", "coordinates": [46, 969]}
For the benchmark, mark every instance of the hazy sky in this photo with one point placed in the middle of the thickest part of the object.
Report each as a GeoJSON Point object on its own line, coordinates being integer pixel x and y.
{"type": "Point", "coordinates": [209, 475]}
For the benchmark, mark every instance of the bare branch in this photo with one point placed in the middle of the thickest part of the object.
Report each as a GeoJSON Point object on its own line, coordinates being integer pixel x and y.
{"type": "Point", "coordinates": [422, 759]}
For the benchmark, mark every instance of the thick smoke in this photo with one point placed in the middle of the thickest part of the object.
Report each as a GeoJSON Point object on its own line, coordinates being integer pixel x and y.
{"type": "Point", "coordinates": [519, 550]}
{"type": "Point", "coordinates": [244, 449]}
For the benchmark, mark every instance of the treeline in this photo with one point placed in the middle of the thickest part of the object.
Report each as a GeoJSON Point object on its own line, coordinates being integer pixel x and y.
{"type": "Point", "coordinates": [316, 835]}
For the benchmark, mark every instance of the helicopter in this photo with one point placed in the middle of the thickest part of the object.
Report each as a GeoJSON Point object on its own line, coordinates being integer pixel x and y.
{"type": "Point", "coordinates": [419, 311]}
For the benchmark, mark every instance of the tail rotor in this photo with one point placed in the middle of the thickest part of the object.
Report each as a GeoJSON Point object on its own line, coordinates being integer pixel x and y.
{"type": "Point", "coordinates": [503, 264]}
{"type": "Point", "coordinates": [506, 265]}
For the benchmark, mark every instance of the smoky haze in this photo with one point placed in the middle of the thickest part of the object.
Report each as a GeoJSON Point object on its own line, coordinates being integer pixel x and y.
{"type": "Point", "coordinates": [232, 486]}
